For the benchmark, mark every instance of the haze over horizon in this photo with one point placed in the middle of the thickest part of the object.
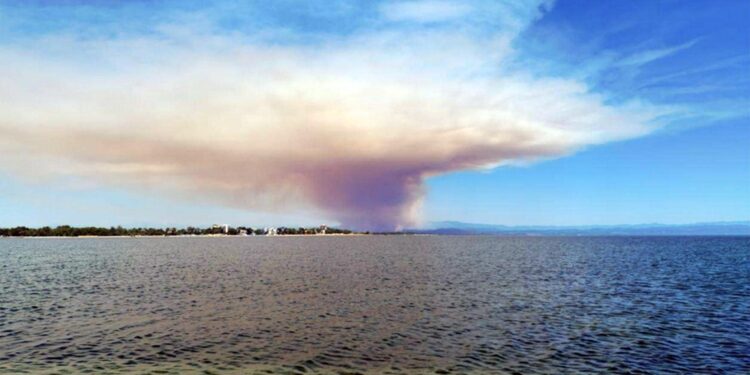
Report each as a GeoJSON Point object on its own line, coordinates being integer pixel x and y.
{"type": "Point", "coordinates": [374, 115]}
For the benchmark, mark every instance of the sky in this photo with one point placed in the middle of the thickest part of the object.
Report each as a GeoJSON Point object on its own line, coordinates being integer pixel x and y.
{"type": "Point", "coordinates": [374, 114]}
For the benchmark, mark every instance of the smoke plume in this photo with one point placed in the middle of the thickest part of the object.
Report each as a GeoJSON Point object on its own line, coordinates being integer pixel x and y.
{"type": "Point", "coordinates": [348, 127]}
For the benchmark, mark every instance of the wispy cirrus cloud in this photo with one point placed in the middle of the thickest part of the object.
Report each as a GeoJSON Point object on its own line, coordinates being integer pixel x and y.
{"type": "Point", "coordinates": [651, 55]}
{"type": "Point", "coordinates": [425, 10]}
{"type": "Point", "coordinates": [349, 125]}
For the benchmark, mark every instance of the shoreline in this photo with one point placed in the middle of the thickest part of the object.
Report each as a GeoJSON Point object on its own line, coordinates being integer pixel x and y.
{"type": "Point", "coordinates": [200, 236]}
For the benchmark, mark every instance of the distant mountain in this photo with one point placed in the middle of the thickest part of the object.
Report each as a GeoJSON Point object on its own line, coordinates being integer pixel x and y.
{"type": "Point", "coordinates": [734, 228]}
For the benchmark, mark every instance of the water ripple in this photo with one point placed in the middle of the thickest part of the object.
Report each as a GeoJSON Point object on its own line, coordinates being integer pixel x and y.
{"type": "Point", "coordinates": [379, 304]}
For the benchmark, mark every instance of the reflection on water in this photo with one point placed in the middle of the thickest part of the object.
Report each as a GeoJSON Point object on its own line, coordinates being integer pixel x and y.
{"type": "Point", "coordinates": [375, 304]}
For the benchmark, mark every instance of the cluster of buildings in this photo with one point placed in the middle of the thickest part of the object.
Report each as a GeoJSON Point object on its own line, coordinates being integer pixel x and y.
{"type": "Point", "coordinates": [268, 231]}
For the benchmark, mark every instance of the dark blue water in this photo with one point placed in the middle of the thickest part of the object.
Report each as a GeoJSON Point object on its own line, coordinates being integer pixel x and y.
{"type": "Point", "coordinates": [375, 304]}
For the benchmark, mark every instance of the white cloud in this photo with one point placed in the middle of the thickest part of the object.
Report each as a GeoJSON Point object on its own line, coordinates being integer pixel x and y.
{"type": "Point", "coordinates": [648, 56]}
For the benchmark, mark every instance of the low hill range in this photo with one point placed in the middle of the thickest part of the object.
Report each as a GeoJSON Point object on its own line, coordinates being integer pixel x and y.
{"type": "Point", "coordinates": [733, 228]}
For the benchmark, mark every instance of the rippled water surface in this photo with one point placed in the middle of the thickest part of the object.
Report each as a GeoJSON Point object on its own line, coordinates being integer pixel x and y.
{"type": "Point", "coordinates": [375, 304]}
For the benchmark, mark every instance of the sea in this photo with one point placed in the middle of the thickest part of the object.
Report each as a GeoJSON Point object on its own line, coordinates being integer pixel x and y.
{"type": "Point", "coordinates": [401, 304]}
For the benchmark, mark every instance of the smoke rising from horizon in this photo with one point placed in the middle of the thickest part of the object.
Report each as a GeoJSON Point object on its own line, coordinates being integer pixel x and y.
{"type": "Point", "coordinates": [347, 127]}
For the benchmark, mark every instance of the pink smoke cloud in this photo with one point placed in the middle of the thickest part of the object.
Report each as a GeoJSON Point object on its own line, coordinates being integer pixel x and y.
{"type": "Point", "coordinates": [350, 129]}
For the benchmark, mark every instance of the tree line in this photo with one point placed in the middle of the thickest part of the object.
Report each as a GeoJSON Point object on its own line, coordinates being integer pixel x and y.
{"type": "Point", "coordinates": [68, 231]}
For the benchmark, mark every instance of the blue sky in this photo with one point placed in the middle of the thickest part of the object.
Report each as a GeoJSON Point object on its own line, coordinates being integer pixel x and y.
{"type": "Point", "coordinates": [636, 111]}
{"type": "Point", "coordinates": [695, 170]}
